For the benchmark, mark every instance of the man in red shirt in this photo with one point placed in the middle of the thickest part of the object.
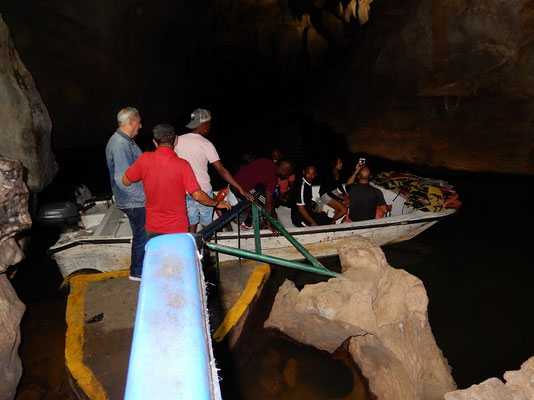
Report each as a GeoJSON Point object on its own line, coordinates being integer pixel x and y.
{"type": "Point", "coordinates": [166, 179]}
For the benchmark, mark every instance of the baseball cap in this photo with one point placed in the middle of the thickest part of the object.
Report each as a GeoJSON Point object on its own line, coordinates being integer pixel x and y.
{"type": "Point", "coordinates": [199, 116]}
{"type": "Point", "coordinates": [164, 133]}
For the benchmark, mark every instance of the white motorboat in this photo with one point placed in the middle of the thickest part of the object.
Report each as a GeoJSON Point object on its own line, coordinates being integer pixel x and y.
{"type": "Point", "coordinates": [102, 242]}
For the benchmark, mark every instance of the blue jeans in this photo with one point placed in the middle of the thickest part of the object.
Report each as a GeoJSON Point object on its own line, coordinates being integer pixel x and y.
{"type": "Point", "coordinates": [197, 212]}
{"type": "Point", "coordinates": [137, 217]}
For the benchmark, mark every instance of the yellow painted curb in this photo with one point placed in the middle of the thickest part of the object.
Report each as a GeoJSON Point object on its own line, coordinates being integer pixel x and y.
{"type": "Point", "coordinates": [74, 339]}
{"type": "Point", "coordinates": [238, 309]}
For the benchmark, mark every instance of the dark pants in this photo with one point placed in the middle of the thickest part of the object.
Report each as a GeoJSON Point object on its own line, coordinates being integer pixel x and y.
{"type": "Point", "coordinates": [150, 234]}
{"type": "Point", "coordinates": [137, 217]}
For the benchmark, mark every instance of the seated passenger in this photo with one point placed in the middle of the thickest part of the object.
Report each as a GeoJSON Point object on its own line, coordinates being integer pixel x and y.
{"type": "Point", "coordinates": [333, 193]}
{"type": "Point", "coordinates": [364, 198]}
{"type": "Point", "coordinates": [302, 210]}
{"type": "Point", "coordinates": [283, 195]}
{"type": "Point", "coordinates": [261, 175]}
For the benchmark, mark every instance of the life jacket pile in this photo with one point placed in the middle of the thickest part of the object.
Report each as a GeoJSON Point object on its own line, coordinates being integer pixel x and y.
{"type": "Point", "coordinates": [421, 193]}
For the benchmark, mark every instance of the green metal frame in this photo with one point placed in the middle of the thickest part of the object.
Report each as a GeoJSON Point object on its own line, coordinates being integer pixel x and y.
{"type": "Point", "coordinates": [316, 266]}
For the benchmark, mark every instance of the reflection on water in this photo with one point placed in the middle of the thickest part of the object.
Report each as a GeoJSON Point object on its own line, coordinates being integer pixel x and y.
{"type": "Point", "coordinates": [287, 370]}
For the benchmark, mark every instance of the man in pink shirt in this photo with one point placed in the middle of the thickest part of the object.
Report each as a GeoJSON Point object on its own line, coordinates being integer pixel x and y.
{"type": "Point", "coordinates": [199, 151]}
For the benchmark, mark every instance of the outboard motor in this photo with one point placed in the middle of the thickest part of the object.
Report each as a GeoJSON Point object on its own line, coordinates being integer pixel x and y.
{"type": "Point", "coordinates": [62, 214]}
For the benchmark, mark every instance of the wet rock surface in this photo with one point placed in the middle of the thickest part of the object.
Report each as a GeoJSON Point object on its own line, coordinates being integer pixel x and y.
{"type": "Point", "coordinates": [26, 125]}
{"type": "Point", "coordinates": [381, 311]}
{"type": "Point", "coordinates": [11, 310]}
{"type": "Point", "coordinates": [519, 386]}
{"type": "Point", "coordinates": [14, 218]}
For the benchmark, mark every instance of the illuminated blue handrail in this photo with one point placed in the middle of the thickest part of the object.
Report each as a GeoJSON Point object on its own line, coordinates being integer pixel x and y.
{"type": "Point", "coordinates": [171, 355]}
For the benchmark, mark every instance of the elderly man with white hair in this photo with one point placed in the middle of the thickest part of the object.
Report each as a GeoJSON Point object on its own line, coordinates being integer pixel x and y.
{"type": "Point", "coordinates": [121, 153]}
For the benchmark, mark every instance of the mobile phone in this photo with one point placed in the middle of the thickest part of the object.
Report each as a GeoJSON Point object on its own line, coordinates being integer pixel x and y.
{"type": "Point", "coordinates": [361, 161]}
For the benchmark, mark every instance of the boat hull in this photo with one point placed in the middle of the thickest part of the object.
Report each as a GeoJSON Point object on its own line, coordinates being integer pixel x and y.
{"type": "Point", "coordinates": [113, 254]}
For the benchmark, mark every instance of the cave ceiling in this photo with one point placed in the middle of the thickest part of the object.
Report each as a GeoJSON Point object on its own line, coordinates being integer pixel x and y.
{"type": "Point", "coordinates": [431, 82]}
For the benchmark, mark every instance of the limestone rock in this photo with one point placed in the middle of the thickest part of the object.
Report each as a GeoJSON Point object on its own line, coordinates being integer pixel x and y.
{"type": "Point", "coordinates": [24, 120]}
{"type": "Point", "coordinates": [519, 386]}
{"type": "Point", "coordinates": [11, 310]}
{"type": "Point", "coordinates": [382, 310]}
{"type": "Point", "coordinates": [291, 373]}
{"type": "Point", "coordinates": [271, 380]}
{"type": "Point", "coordinates": [14, 216]}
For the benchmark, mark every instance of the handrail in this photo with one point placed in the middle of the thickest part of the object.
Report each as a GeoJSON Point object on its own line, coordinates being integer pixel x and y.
{"type": "Point", "coordinates": [224, 219]}
{"type": "Point", "coordinates": [172, 356]}
{"type": "Point", "coordinates": [229, 215]}
{"type": "Point", "coordinates": [270, 259]}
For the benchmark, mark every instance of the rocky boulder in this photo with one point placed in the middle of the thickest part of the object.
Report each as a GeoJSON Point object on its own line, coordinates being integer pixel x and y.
{"type": "Point", "coordinates": [519, 386]}
{"type": "Point", "coordinates": [382, 313]}
{"type": "Point", "coordinates": [14, 218]}
{"type": "Point", "coordinates": [24, 120]}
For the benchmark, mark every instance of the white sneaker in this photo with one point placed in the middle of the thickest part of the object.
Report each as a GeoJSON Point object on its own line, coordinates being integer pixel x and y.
{"type": "Point", "coordinates": [134, 278]}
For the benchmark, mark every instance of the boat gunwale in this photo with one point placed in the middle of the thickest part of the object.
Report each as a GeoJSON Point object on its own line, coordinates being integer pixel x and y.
{"type": "Point", "coordinates": [297, 231]}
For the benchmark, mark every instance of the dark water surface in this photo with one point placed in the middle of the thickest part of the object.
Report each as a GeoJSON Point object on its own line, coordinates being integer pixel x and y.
{"type": "Point", "coordinates": [477, 270]}
{"type": "Point", "coordinates": [476, 267]}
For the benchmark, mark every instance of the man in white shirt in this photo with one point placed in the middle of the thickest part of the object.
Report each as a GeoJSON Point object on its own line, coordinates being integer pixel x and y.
{"type": "Point", "coordinates": [199, 151]}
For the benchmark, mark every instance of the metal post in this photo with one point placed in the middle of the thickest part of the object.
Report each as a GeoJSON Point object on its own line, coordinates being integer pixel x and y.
{"type": "Point", "coordinates": [256, 220]}
{"type": "Point", "coordinates": [270, 259]}
{"type": "Point", "coordinates": [217, 261]}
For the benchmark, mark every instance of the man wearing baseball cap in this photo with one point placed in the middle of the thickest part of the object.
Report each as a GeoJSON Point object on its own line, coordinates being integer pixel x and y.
{"type": "Point", "coordinates": [166, 178]}
{"type": "Point", "coordinates": [199, 151]}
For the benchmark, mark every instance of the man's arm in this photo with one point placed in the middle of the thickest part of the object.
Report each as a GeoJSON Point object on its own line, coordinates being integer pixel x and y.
{"type": "Point", "coordinates": [125, 180]}
{"type": "Point", "coordinates": [123, 159]}
{"type": "Point", "coordinates": [352, 178]}
{"type": "Point", "coordinates": [381, 203]}
{"type": "Point", "coordinates": [134, 172]}
{"type": "Point", "coordinates": [302, 210]}
{"type": "Point", "coordinates": [269, 207]}
{"type": "Point", "coordinates": [206, 200]}
{"type": "Point", "coordinates": [227, 176]}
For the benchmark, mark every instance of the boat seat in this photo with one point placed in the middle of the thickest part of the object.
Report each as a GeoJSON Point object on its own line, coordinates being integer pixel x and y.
{"type": "Point", "coordinates": [114, 223]}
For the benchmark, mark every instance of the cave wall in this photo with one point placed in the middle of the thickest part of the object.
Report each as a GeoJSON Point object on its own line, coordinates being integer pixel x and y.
{"type": "Point", "coordinates": [24, 121]}
{"type": "Point", "coordinates": [441, 83]}
{"type": "Point", "coordinates": [438, 82]}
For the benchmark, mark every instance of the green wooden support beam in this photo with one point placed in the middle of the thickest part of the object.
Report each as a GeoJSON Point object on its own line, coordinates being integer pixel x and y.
{"type": "Point", "coordinates": [270, 259]}
{"type": "Point", "coordinates": [256, 221]}
{"type": "Point", "coordinates": [291, 239]}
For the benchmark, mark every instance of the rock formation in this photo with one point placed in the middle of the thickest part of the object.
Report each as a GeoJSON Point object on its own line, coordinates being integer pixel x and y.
{"type": "Point", "coordinates": [14, 218]}
{"type": "Point", "coordinates": [382, 313]}
{"type": "Point", "coordinates": [440, 83]}
{"type": "Point", "coordinates": [434, 80]}
{"type": "Point", "coordinates": [24, 120]}
{"type": "Point", "coordinates": [519, 386]}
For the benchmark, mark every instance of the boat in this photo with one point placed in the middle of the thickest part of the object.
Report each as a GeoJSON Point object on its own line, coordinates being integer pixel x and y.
{"type": "Point", "coordinates": [101, 243]}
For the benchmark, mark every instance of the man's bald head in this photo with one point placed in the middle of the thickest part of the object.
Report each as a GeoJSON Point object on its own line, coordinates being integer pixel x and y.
{"type": "Point", "coordinates": [285, 169]}
{"type": "Point", "coordinates": [364, 174]}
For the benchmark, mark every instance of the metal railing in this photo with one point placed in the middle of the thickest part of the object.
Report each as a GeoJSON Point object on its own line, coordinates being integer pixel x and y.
{"type": "Point", "coordinates": [227, 217]}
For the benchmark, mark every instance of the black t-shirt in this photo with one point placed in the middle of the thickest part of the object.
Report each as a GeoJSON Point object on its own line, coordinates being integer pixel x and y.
{"type": "Point", "coordinates": [329, 184]}
{"type": "Point", "coordinates": [302, 196]}
{"type": "Point", "coordinates": [364, 199]}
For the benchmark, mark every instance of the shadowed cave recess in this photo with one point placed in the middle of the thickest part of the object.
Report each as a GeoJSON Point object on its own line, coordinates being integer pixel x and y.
{"type": "Point", "coordinates": [437, 83]}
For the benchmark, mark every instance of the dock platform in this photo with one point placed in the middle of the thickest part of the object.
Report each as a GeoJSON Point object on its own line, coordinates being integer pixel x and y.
{"type": "Point", "coordinates": [100, 318]}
